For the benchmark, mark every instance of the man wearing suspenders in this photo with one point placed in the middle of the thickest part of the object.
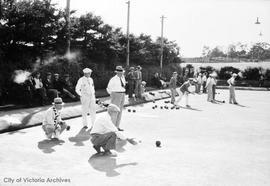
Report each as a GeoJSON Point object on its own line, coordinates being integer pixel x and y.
{"type": "Point", "coordinates": [52, 124]}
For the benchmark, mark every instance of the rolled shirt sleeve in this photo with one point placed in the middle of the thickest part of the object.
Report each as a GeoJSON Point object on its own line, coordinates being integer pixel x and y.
{"type": "Point", "coordinates": [78, 87]}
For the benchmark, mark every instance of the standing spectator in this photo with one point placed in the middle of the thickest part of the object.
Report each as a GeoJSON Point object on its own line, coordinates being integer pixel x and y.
{"type": "Point", "coordinates": [68, 88]}
{"type": "Point", "coordinates": [199, 83]}
{"type": "Point", "coordinates": [86, 90]}
{"type": "Point", "coordinates": [131, 82]}
{"type": "Point", "coordinates": [172, 85]}
{"type": "Point", "coordinates": [209, 87]}
{"type": "Point", "coordinates": [261, 80]}
{"type": "Point", "coordinates": [116, 89]}
{"type": "Point", "coordinates": [204, 79]}
{"type": "Point", "coordinates": [48, 84]}
{"type": "Point", "coordinates": [214, 79]}
{"type": "Point", "coordinates": [40, 91]}
{"type": "Point", "coordinates": [231, 83]}
{"type": "Point", "coordinates": [138, 81]}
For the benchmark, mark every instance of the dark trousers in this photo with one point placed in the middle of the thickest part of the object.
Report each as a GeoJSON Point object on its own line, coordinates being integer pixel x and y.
{"type": "Point", "coordinates": [41, 94]}
{"type": "Point", "coordinates": [214, 92]}
{"type": "Point", "coordinates": [204, 88]}
{"type": "Point", "coordinates": [131, 88]}
{"type": "Point", "coordinates": [107, 141]}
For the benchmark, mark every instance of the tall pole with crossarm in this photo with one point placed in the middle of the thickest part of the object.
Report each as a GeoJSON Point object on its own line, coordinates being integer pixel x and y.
{"type": "Point", "coordinates": [162, 43]}
{"type": "Point", "coordinates": [68, 26]}
{"type": "Point", "coordinates": [128, 13]}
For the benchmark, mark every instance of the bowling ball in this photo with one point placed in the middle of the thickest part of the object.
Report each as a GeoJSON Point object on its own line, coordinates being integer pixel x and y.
{"type": "Point", "coordinates": [161, 107]}
{"type": "Point", "coordinates": [129, 110]}
{"type": "Point", "coordinates": [158, 143]}
{"type": "Point", "coordinates": [134, 110]}
{"type": "Point", "coordinates": [153, 107]}
{"type": "Point", "coordinates": [223, 101]}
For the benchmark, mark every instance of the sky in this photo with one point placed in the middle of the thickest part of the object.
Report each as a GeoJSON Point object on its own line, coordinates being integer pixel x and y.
{"type": "Point", "coordinates": [190, 23]}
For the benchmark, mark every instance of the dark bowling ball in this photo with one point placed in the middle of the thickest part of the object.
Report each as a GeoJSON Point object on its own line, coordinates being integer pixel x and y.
{"type": "Point", "coordinates": [153, 107]}
{"type": "Point", "coordinates": [134, 110]}
{"type": "Point", "coordinates": [158, 144]}
{"type": "Point", "coordinates": [161, 107]}
{"type": "Point", "coordinates": [223, 101]}
{"type": "Point", "coordinates": [129, 110]}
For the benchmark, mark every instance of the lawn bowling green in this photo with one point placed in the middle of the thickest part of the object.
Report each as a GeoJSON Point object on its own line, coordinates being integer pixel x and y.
{"type": "Point", "coordinates": [207, 144]}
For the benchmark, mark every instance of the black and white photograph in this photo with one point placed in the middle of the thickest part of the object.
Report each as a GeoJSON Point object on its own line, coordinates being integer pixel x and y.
{"type": "Point", "coordinates": [134, 93]}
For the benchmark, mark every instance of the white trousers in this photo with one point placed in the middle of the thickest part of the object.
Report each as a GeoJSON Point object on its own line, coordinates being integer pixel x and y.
{"type": "Point", "coordinates": [181, 94]}
{"type": "Point", "coordinates": [88, 106]}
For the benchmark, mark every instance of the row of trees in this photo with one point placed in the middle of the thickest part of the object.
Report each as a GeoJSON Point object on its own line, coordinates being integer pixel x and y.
{"type": "Point", "coordinates": [257, 52]}
{"type": "Point", "coordinates": [32, 30]}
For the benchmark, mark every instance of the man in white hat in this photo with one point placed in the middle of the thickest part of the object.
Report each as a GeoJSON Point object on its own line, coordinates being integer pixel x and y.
{"type": "Point", "coordinates": [231, 83]}
{"type": "Point", "coordinates": [104, 132]}
{"type": "Point", "coordinates": [52, 124]}
{"type": "Point", "coordinates": [86, 90]}
{"type": "Point", "coordinates": [116, 89]}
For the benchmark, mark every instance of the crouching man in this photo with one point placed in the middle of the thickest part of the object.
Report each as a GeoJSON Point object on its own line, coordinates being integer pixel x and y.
{"type": "Point", "coordinates": [104, 133]}
{"type": "Point", "coordinates": [53, 125]}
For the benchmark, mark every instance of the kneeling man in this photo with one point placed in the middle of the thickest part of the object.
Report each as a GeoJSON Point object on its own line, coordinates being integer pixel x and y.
{"type": "Point", "coordinates": [53, 125]}
{"type": "Point", "coordinates": [104, 132]}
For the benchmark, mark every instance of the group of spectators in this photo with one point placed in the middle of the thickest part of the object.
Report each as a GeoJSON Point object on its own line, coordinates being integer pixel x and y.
{"type": "Point", "coordinates": [45, 90]}
{"type": "Point", "coordinates": [134, 82]}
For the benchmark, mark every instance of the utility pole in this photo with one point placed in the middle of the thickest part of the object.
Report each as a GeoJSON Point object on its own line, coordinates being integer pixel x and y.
{"type": "Point", "coordinates": [68, 26]}
{"type": "Point", "coordinates": [162, 43]}
{"type": "Point", "coordinates": [128, 12]}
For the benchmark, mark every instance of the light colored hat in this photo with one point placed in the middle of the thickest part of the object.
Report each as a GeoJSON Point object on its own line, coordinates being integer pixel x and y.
{"type": "Point", "coordinates": [131, 68]}
{"type": "Point", "coordinates": [234, 74]}
{"type": "Point", "coordinates": [56, 74]}
{"type": "Point", "coordinates": [143, 83]}
{"type": "Point", "coordinates": [139, 67]}
{"type": "Point", "coordinates": [191, 79]}
{"type": "Point", "coordinates": [87, 70]}
{"type": "Point", "coordinates": [175, 73]}
{"type": "Point", "coordinates": [119, 69]}
{"type": "Point", "coordinates": [113, 107]}
{"type": "Point", "coordinates": [58, 101]}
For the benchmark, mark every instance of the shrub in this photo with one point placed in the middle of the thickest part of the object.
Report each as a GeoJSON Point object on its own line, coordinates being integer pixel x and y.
{"type": "Point", "coordinates": [267, 74]}
{"type": "Point", "coordinates": [225, 72]}
{"type": "Point", "coordinates": [251, 73]}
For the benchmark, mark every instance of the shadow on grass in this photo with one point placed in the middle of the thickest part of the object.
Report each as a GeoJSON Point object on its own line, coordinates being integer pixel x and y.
{"type": "Point", "coordinates": [47, 145]}
{"type": "Point", "coordinates": [120, 145]}
{"type": "Point", "coordinates": [107, 164]}
{"type": "Point", "coordinates": [83, 135]}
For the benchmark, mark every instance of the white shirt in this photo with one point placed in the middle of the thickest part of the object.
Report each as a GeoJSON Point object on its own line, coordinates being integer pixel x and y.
{"type": "Point", "coordinates": [114, 84]}
{"type": "Point", "coordinates": [204, 78]}
{"type": "Point", "coordinates": [231, 81]}
{"type": "Point", "coordinates": [85, 87]}
{"type": "Point", "coordinates": [199, 80]}
{"type": "Point", "coordinates": [104, 124]}
{"type": "Point", "coordinates": [38, 83]}
{"type": "Point", "coordinates": [50, 116]}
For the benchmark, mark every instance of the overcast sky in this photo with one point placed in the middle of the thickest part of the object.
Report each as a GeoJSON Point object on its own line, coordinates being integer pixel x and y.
{"type": "Point", "coordinates": [191, 23]}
